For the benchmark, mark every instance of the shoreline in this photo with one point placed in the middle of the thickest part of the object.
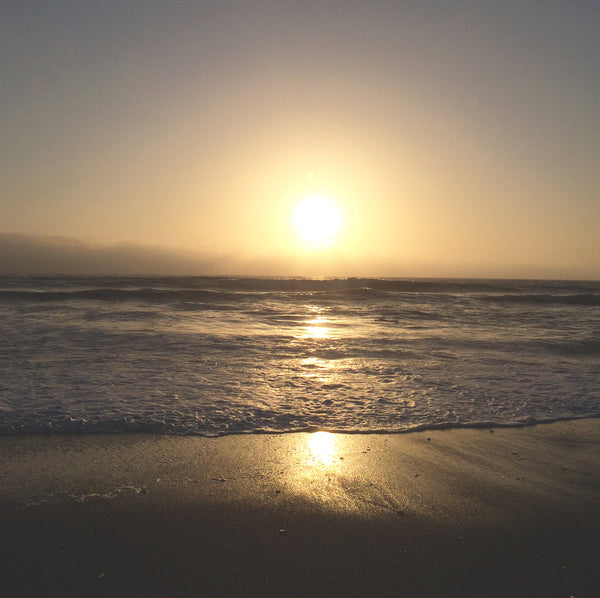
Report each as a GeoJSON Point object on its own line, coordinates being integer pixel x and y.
{"type": "Point", "coordinates": [151, 430]}
{"type": "Point", "coordinates": [455, 512]}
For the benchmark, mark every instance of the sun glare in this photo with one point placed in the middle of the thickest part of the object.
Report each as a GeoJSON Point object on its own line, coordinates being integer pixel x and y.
{"type": "Point", "coordinates": [317, 220]}
{"type": "Point", "coordinates": [323, 446]}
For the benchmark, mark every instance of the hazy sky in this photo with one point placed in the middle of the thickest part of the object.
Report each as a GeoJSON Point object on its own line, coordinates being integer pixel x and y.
{"type": "Point", "coordinates": [457, 137]}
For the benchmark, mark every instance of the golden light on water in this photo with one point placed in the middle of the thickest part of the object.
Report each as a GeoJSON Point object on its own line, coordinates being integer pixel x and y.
{"type": "Point", "coordinates": [320, 370]}
{"type": "Point", "coordinates": [317, 330]}
{"type": "Point", "coordinates": [317, 326]}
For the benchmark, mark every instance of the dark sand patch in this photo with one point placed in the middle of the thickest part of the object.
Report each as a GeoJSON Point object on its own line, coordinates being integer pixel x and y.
{"type": "Point", "coordinates": [515, 512]}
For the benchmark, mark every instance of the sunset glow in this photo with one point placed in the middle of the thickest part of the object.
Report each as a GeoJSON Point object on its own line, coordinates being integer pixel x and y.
{"type": "Point", "coordinates": [397, 139]}
{"type": "Point", "coordinates": [317, 220]}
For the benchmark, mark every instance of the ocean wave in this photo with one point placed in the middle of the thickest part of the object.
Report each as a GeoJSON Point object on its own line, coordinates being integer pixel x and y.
{"type": "Point", "coordinates": [108, 294]}
{"type": "Point", "coordinates": [192, 292]}
{"type": "Point", "coordinates": [212, 356]}
{"type": "Point", "coordinates": [589, 299]}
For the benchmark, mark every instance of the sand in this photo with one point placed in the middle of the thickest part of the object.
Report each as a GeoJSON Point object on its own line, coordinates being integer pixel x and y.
{"type": "Point", "coordinates": [472, 512]}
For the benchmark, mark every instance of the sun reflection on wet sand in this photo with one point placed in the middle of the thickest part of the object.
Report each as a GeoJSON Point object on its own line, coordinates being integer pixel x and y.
{"type": "Point", "coordinates": [340, 473]}
{"type": "Point", "coordinates": [319, 471]}
{"type": "Point", "coordinates": [323, 447]}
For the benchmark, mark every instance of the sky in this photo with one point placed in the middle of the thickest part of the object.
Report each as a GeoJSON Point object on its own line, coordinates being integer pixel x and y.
{"type": "Point", "coordinates": [457, 138]}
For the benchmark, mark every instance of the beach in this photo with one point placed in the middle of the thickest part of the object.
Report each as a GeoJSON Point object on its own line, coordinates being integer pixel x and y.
{"type": "Point", "coordinates": [461, 512]}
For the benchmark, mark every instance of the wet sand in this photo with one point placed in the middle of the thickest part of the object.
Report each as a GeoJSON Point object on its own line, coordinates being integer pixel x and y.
{"type": "Point", "coordinates": [508, 512]}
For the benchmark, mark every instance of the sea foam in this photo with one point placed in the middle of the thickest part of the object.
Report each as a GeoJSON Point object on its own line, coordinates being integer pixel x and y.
{"type": "Point", "coordinates": [211, 356]}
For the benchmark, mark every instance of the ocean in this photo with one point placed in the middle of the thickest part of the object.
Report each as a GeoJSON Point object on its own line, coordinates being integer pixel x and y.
{"type": "Point", "coordinates": [222, 355]}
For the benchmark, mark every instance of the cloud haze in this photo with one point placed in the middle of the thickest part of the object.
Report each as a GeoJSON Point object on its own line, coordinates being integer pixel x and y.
{"type": "Point", "coordinates": [31, 254]}
{"type": "Point", "coordinates": [22, 254]}
{"type": "Point", "coordinates": [458, 138]}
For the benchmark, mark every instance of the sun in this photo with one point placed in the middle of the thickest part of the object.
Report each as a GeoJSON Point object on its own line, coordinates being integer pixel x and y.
{"type": "Point", "coordinates": [317, 220]}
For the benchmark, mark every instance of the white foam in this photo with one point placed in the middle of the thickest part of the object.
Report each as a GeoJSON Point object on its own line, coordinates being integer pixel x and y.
{"type": "Point", "coordinates": [138, 354]}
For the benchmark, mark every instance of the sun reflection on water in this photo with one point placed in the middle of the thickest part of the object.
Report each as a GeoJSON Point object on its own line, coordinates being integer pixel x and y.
{"type": "Point", "coordinates": [317, 325]}
{"type": "Point", "coordinates": [316, 332]}
{"type": "Point", "coordinates": [322, 370]}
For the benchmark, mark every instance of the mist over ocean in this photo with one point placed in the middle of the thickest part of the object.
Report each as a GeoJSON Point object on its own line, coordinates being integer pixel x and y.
{"type": "Point", "coordinates": [221, 355]}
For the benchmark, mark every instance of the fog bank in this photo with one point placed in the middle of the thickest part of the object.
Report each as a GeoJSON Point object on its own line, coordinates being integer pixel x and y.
{"type": "Point", "coordinates": [37, 254]}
